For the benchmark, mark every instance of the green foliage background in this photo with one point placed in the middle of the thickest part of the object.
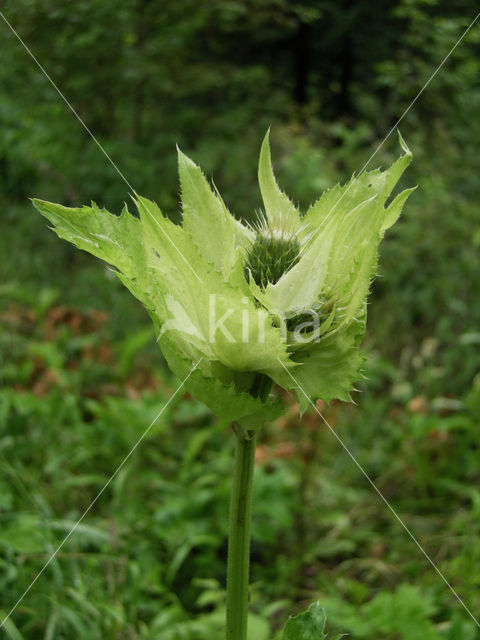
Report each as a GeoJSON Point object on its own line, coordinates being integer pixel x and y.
{"type": "Point", "coordinates": [77, 389]}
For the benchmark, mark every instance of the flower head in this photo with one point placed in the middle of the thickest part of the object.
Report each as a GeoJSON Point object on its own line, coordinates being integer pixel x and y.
{"type": "Point", "coordinates": [250, 303]}
{"type": "Point", "coordinates": [272, 252]}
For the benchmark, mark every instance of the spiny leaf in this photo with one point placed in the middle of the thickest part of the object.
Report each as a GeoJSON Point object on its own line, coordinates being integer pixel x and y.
{"type": "Point", "coordinates": [278, 207]}
{"type": "Point", "coordinates": [206, 218]}
{"type": "Point", "coordinates": [326, 369]}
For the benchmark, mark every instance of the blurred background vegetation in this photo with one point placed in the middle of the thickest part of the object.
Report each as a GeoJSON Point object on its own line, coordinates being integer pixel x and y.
{"type": "Point", "coordinates": [80, 378]}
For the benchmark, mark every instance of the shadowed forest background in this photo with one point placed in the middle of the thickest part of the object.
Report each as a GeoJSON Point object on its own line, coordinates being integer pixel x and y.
{"type": "Point", "coordinates": [81, 378]}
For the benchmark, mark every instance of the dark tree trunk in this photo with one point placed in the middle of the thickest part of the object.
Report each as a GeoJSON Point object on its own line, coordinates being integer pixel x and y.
{"type": "Point", "coordinates": [301, 51]}
{"type": "Point", "coordinates": [346, 75]}
{"type": "Point", "coordinates": [345, 59]}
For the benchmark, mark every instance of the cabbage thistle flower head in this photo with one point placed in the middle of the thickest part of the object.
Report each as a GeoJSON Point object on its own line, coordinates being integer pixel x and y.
{"type": "Point", "coordinates": [251, 304]}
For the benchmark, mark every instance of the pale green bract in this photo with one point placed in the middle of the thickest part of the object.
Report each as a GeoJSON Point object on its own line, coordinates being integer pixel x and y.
{"type": "Point", "coordinates": [207, 306]}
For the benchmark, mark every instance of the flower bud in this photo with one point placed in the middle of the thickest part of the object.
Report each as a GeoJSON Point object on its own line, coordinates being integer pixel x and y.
{"type": "Point", "coordinates": [271, 254]}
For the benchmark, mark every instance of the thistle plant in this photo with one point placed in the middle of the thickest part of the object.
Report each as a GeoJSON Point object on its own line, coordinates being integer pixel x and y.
{"type": "Point", "coordinates": [238, 308]}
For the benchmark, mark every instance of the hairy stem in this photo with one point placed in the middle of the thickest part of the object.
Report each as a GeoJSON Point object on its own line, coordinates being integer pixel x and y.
{"type": "Point", "coordinates": [239, 535]}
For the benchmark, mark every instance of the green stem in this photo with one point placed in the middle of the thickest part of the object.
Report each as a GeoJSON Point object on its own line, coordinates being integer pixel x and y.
{"type": "Point", "coordinates": [239, 535]}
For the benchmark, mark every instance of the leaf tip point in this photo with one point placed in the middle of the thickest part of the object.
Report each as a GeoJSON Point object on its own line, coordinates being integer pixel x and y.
{"type": "Point", "coordinates": [403, 144]}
